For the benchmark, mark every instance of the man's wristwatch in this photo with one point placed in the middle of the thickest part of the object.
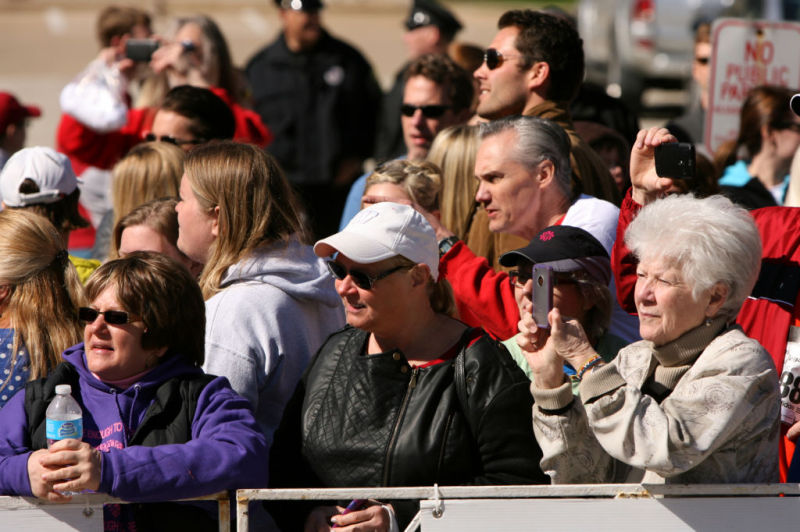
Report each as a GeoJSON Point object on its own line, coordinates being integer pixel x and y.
{"type": "Point", "coordinates": [445, 244]}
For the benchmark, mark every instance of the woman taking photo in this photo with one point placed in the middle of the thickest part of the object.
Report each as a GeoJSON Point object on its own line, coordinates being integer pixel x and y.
{"type": "Point", "coordinates": [270, 302]}
{"type": "Point", "coordinates": [39, 298]}
{"type": "Point", "coordinates": [155, 426]}
{"type": "Point", "coordinates": [696, 401]}
{"type": "Point", "coordinates": [421, 396]}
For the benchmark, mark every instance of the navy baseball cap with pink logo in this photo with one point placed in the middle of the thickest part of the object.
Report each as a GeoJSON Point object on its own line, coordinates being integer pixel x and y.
{"type": "Point", "coordinates": [564, 249]}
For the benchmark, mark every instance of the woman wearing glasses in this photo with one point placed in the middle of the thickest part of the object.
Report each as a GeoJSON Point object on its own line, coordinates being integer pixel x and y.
{"type": "Point", "coordinates": [155, 427]}
{"type": "Point", "coordinates": [39, 296]}
{"type": "Point", "coordinates": [406, 395]}
{"type": "Point", "coordinates": [581, 272]}
{"type": "Point", "coordinates": [269, 300]}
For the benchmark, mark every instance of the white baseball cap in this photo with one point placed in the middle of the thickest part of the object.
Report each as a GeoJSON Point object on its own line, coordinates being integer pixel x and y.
{"type": "Point", "coordinates": [50, 170]}
{"type": "Point", "coordinates": [382, 231]}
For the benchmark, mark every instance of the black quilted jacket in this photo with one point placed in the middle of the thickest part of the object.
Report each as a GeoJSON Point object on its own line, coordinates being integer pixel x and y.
{"type": "Point", "coordinates": [373, 420]}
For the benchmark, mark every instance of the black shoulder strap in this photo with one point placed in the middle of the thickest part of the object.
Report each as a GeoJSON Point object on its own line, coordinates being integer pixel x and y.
{"type": "Point", "coordinates": [460, 370]}
{"type": "Point", "coordinates": [39, 393]}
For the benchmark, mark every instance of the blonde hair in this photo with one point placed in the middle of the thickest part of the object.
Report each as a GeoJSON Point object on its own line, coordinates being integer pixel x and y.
{"type": "Point", "coordinates": [149, 171]}
{"type": "Point", "coordinates": [45, 291]}
{"type": "Point", "coordinates": [421, 180]}
{"type": "Point", "coordinates": [256, 204]}
{"type": "Point", "coordinates": [454, 150]}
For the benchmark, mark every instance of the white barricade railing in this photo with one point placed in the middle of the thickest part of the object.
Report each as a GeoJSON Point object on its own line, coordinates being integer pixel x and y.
{"type": "Point", "coordinates": [597, 507]}
{"type": "Point", "coordinates": [84, 513]}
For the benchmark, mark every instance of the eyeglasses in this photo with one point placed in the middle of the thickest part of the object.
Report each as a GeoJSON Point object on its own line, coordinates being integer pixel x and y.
{"type": "Point", "coordinates": [794, 126]}
{"type": "Point", "coordinates": [494, 58]}
{"type": "Point", "coordinates": [701, 60]}
{"type": "Point", "coordinates": [360, 279]}
{"type": "Point", "coordinates": [150, 137]}
{"type": "Point", "coordinates": [518, 278]}
{"type": "Point", "coordinates": [113, 317]}
{"type": "Point", "coordinates": [428, 111]}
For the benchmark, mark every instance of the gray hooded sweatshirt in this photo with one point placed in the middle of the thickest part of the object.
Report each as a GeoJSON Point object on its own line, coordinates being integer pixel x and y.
{"type": "Point", "coordinates": [275, 310]}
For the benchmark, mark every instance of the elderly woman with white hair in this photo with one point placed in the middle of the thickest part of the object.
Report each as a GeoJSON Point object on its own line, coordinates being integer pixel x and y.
{"type": "Point", "coordinates": [696, 401]}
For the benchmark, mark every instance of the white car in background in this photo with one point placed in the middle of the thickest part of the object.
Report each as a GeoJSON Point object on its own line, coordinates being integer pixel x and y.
{"type": "Point", "coordinates": [634, 44]}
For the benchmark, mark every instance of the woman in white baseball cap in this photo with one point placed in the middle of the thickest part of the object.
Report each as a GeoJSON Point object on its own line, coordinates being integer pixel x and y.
{"type": "Point", "coordinates": [406, 394]}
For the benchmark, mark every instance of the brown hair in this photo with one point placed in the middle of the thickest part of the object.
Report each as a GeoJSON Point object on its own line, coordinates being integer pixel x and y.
{"type": "Point", "coordinates": [63, 214]}
{"type": "Point", "coordinates": [164, 294]}
{"type": "Point", "coordinates": [256, 204]}
{"type": "Point", "coordinates": [456, 82]}
{"type": "Point", "coordinates": [45, 291]}
{"type": "Point", "coordinates": [766, 105]}
{"type": "Point", "coordinates": [158, 214]}
{"type": "Point", "coordinates": [116, 21]}
{"type": "Point", "coordinates": [553, 40]}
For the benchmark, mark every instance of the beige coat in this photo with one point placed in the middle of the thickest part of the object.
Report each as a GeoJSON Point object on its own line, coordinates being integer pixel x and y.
{"type": "Point", "coordinates": [719, 423]}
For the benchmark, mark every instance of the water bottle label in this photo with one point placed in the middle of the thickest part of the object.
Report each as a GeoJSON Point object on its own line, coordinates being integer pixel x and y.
{"type": "Point", "coordinates": [61, 430]}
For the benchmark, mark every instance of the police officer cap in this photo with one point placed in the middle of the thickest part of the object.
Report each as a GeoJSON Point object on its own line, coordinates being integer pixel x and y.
{"type": "Point", "coordinates": [432, 13]}
{"type": "Point", "coordinates": [300, 5]}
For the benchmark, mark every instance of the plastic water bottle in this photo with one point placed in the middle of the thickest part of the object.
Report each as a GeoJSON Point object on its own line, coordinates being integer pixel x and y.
{"type": "Point", "coordinates": [64, 418]}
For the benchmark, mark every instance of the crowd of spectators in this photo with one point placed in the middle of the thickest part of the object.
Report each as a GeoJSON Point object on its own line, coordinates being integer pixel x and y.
{"type": "Point", "coordinates": [511, 297]}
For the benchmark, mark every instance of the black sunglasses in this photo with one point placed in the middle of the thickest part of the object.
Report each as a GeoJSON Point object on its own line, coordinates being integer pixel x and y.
{"type": "Point", "coordinates": [113, 317]}
{"type": "Point", "coordinates": [702, 60]}
{"type": "Point", "coordinates": [494, 58]}
{"type": "Point", "coordinates": [360, 279]}
{"type": "Point", "coordinates": [150, 137]}
{"type": "Point", "coordinates": [428, 111]}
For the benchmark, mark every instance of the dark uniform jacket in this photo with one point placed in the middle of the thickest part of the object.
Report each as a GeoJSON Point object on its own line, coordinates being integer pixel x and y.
{"type": "Point", "coordinates": [321, 105]}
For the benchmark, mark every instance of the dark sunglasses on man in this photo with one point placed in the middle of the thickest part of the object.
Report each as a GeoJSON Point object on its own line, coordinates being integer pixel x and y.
{"type": "Point", "coordinates": [494, 58]}
{"type": "Point", "coordinates": [428, 111]}
{"type": "Point", "coordinates": [150, 137]}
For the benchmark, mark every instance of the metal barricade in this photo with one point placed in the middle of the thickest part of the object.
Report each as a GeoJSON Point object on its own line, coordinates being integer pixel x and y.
{"type": "Point", "coordinates": [84, 513]}
{"type": "Point", "coordinates": [597, 507]}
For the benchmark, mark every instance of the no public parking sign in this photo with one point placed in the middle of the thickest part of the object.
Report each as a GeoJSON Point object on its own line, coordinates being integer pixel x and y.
{"type": "Point", "coordinates": [746, 54]}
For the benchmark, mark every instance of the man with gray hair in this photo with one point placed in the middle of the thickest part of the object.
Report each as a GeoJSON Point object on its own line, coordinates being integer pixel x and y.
{"type": "Point", "coordinates": [524, 176]}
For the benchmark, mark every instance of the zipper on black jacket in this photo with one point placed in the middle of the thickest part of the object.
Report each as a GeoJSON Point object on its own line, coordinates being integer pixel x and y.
{"type": "Point", "coordinates": [412, 383]}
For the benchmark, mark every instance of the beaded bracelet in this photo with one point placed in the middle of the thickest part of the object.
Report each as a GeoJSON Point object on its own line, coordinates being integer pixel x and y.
{"type": "Point", "coordinates": [589, 364]}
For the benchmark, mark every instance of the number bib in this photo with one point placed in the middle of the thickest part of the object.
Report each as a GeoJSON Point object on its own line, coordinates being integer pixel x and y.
{"type": "Point", "coordinates": [790, 379]}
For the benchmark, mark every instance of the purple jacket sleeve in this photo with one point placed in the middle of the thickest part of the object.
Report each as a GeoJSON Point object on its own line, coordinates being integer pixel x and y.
{"type": "Point", "coordinates": [227, 451]}
{"type": "Point", "coordinates": [14, 448]}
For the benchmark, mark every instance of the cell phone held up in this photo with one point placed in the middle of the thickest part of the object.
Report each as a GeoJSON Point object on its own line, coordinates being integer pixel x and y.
{"type": "Point", "coordinates": [542, 295]}
{"type": "Point", "coordinates": [140, 50]}
{"type": "Point", "coordinates": [675, 160]}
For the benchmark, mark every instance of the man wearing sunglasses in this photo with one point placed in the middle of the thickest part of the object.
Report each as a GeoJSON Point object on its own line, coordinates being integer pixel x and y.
{"type": "Point", "coordinates": [523, 173]}
{"type": "Point", "coordinates": [430, 28]}
{"type": "Point", "coordinates": [437, 94]}
{"type": "Point", "coordinates": [534, 66]}
{"type": "Point", "coordinates": [690, 126]}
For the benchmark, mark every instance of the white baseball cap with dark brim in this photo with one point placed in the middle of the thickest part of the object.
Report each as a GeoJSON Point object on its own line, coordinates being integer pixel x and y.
{"type": "Point", "coordinates": [50, 170]}
{"type": "Point", "coordinates": [382, 231]}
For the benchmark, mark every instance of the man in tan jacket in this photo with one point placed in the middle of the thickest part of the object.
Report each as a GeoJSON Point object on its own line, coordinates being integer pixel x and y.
{"type": "Point", "coordinates": [534, 66]}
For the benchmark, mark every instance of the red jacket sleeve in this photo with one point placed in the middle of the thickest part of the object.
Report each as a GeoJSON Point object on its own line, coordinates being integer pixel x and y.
{"type": "Point", "coordinates": [249, 126]}
{"type": "Point", "coordinates": [623, 263]}
{"type": "Point", "coordinates": [483, 296]}
{"type": "Point", "coordinates": [86, 147]}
